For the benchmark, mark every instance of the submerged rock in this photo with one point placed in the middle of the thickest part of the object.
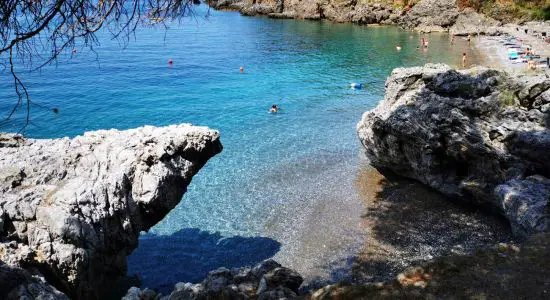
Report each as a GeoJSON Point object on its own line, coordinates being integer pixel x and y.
{"type": "Point", "coordinates": [464, 134]}
{"type": "Point", "coordinates": [74, 208]}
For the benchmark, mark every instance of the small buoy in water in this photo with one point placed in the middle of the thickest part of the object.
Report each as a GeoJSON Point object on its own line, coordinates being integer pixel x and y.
{"type": "Point", "coordinates": [170, 61]}
{"type": "Point", "coordinates": [241, 69]}
{"type": "Point", "coordinates": [356, 86]}
{"type": "Point", "coordinates": [398, 48]}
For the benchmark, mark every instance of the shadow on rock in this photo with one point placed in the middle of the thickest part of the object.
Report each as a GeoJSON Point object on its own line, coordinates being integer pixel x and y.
{"type": "Point", "coordinates": [189, 254]}
{"type": "Point", "coordinates": [407, 222]}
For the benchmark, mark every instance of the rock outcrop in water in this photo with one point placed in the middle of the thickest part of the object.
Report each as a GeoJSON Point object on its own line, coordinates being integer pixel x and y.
{"type": "Point", "coordinates": [481, 136]}
{"type": "Point", "coordinates": [72, 209]}
{"type": "Point", "coordinates": [425, 16]}
{"type": "Point", "coordinates": [267, 281]}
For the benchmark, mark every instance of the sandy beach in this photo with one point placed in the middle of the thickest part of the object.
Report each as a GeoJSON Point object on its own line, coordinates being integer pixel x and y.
{"type": "Point", "coordinates": [493, 53]}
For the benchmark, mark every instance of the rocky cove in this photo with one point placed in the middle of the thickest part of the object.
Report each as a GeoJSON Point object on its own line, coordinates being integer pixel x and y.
{"type": "Point", "coordinates": [470, 196]}
{"type": "Point", "coordinates": [72, 209]}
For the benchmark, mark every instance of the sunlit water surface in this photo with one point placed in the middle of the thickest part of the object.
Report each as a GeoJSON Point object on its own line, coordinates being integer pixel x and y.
{"type": "Point", "coordinates": [283, 185]}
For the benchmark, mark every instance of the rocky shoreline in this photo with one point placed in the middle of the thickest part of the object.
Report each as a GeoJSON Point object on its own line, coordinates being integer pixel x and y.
{"type": "Point", "coordinates": [72, 209]}
{"type": "Point", "coordinates": [425, 16]}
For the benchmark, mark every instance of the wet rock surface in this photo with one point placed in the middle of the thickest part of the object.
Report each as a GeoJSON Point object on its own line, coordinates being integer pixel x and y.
{"type": "Point", "coordinates": [268, 280]}
{"type": "Point", "coordinates": [465, 134]}
{"type": "Point", "coordinates": [72, 209]}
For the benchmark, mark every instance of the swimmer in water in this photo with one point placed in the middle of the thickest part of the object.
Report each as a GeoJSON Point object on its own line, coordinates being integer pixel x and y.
{"type": "Point", "coordinates": [241, 69]}
{"type": "Point", "coordinates": [274, 109]}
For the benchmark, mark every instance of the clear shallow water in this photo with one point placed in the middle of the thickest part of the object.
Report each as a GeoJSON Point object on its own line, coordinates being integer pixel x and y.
{"type": "Point", "coordinates": [283, 186]}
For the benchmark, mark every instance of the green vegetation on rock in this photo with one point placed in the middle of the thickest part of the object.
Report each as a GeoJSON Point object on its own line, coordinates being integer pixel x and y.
{"type": "Point", "coordinates": [507, 98]}
{"type": "Point", "coordinates": [510, 10]}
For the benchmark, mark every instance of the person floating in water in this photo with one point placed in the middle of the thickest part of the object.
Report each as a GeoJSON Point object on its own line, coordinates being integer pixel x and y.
{"type": "Point", "coordinates": [464, 60]}
{"type": "Point", "coordinates": [274, 109]}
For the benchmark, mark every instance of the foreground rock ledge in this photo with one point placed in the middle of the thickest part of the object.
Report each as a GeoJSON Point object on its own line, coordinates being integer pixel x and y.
{"type": "Point", "coordinates": [72, 209]}
{"type": "Point", "coordinates": [265, 281]}
{"type": "Point", "coordinates": [481, 136]}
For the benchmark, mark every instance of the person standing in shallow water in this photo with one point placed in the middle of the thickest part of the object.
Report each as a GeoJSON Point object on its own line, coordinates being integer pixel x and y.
{"type": "Point", "coordinates": [464, 60]}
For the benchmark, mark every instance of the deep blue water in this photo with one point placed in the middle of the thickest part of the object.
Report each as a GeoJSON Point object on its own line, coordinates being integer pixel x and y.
{"type": "Point", "coordinates": [284, 184]}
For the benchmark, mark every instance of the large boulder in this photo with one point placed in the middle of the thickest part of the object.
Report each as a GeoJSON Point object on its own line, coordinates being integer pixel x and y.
{"type": "Point", "coordinates": [475, 135]}
{"type": "Point", "coordinates": [74, 208]}
{"type": "Point", "coordinates": [471, 22]}
{"type": "Point", "coordinates": [434, 14]}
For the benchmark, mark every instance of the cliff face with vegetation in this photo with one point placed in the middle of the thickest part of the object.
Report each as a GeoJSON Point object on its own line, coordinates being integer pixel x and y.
{"type": "Point", "coordinates": [510, 11]}
{"type": "Point", "coordinates": [460, 17]}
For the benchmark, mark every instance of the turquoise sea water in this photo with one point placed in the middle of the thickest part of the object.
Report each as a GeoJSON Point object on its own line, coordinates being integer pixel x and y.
{"type": "Point", "coordinates": [284, 185]}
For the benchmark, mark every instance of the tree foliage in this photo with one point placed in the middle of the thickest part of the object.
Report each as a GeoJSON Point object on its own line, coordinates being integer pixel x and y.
{"type": "Point", "coordinates": [34, 33]}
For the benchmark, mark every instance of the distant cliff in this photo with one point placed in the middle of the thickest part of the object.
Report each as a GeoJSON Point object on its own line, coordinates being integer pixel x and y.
{"type": "Point", "coordinates": [424, 15]}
